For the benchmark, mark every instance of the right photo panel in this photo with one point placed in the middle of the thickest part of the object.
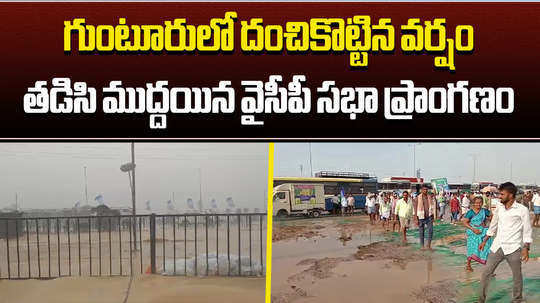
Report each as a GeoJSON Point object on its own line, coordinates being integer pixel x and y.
{"type": "Point", "coordinates": [406, 222]}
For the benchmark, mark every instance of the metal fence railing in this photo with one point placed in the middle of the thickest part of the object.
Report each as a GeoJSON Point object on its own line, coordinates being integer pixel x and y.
{"type": "Point", "coordinates": [184, 244]}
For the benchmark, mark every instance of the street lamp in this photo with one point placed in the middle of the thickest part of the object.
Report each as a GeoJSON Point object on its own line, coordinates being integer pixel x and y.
{"type": "Point", "coordinates": [130, 169]}
{"type": "Point", "coordinates": [414, 158]}
{"type": "Point", "coordinates": [310, 161]}
{"type": "Point", "coordinates": [474, 156]}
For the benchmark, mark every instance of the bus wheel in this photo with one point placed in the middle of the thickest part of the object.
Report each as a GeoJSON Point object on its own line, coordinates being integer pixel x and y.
{"type": "Point", "coordinates": [281, 213]}
{"type": "Point", "coordinates": [315, 214]}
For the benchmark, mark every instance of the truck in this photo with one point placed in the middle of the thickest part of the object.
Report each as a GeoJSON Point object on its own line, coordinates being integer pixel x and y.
{"type": "Point", "coordinates": [298, 199]}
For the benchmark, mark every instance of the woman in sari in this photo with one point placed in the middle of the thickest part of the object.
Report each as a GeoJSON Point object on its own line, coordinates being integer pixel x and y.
{"type": "Point", "coordinates": [476, 220]}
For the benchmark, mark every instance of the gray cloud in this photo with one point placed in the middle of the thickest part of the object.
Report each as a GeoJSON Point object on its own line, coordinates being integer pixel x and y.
{"type": "Point", "coordinates": [50, 175]}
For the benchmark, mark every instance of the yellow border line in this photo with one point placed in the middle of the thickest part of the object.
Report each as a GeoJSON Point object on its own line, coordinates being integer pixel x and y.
{"type": "Point", "coordinates": [269, 223]}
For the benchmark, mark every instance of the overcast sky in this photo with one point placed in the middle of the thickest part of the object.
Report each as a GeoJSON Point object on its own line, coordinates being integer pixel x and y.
{"type": "Point", "coordinates": [51, 175]}
{"type": "Point", "coordinates": [495, 161]}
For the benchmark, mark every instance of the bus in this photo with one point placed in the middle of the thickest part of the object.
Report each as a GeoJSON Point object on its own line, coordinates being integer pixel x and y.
{"type": "Point", "coordinates": [333, 186]}
{"type": "Point", "coordinates": [391, 184]}
{"type": "Point", "coordinates": [459, 187]}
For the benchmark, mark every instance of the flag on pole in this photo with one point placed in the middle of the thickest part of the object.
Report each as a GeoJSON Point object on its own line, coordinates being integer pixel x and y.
{"type": "Point", "coordinates": [99, 199]}
{"type": "Point", "coordinates": [200, 205]}
{"type": "Point", "coordinates": [170, 206]}
{"type": "Point", "coordinates": [343, 199]}
{"type": "Point", "coordinates": [230, 202]}
{"type": "Point", "coordinates": [190, 203]}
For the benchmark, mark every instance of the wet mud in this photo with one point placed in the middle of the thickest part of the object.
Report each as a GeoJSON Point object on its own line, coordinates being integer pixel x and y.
{"type": "Point", "coordinates": [287, 232]}
{"type": "Point", "coordinates": [396, 252]}
{"type": "Point", "coordinates": [437, 292]}
{"type": "Point", "coordinates": [346, 258]}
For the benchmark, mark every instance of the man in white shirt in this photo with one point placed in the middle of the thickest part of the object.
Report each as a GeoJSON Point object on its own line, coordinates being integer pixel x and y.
{"type": "Point", "coordinates": [343, 205]}
{"type": "Point", "coordinates": [512, 224]}
{"type": "Point", "coordinates": [404, 211]}
{"type": "Point", "coordinates": [465, 204]}
{"type": "Point", "coordinates": [536, 207]}
{"type": "Point", "coordinates": [370, 207]}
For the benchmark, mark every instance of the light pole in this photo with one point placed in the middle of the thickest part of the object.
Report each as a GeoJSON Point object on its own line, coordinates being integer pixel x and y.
{"type": "Point", "coordinates": [85, 186]}
{"type": "Point", "coordinates": [200, 191]}
{"type": "Point", "coordinates": [134, 210]}
{"type": "Point", "coordinates": [474, 156]}
{"type": "Point", "coordinates": [130, 169]}
{"type": "Point", "coordinates": [310, 161]}
{"type": "Point", "coordinates": [414, 159]}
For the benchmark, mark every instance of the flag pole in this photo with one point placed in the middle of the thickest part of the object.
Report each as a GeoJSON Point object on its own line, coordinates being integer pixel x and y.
{"type": "Point", "coordinates": [85, 186]}
{"type": "Point", "coordinates": [134, 210]}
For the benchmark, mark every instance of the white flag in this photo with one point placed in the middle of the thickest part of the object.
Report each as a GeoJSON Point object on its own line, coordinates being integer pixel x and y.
{"type": "Point", "coordinates": [99, 199]}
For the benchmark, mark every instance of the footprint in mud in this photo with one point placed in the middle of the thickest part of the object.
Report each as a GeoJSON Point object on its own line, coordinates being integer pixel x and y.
{"type": "Point", "coordinates": [399, 254]}
{"type": "Point", "coordinates": [437, 292]}
{"type": "Point", "coordinates": [295, 232]}
{"type": "Point", "coordinates": [345, 237]}
{"type": "Point", "coordinates": [318, 268]}
{"type": "Point", "coordinates": [295, 294]}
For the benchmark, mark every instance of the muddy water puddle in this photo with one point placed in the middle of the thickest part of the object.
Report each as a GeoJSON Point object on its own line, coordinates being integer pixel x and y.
{"type": "Point", "coordinates": [332, 279]}
{"type": "Point", "coordinates": [374, 281]}
{"type": "Point", "coordinates": [348, 261]}
{"type": "Point", "coordinates": [352, 260]}
{"type": "Point", "coordinates": [334, 242]}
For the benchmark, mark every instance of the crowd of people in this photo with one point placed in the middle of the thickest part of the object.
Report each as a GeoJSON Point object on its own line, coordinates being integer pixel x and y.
{"type": "Point", "coordinates": [497, 223]}
{"type": "Point", "coordinates": [382, 207]}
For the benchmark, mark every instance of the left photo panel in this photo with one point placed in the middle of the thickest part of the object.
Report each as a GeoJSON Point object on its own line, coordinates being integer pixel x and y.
{"type": "Point", "coordinates": [133, 222]}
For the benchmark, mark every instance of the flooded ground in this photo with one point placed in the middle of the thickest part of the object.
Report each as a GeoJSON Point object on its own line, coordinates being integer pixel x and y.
{"type": "Point", "coordinates": [144, 289]}
{"type": "Point", "coordinates": [345, 258]}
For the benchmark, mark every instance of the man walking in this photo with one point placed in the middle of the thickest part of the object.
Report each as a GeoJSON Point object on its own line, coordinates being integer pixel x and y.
{"type": "Point", "coordinates": [465, 204]}
{"type": "Point", "coordinates": [487, 200]}
{"type": "Point", "coordinates": [350, 204]}
{"type": "Point", "coordinates": [536, 207]}
{"type": "Point", "coordinates": [424, 212]}
{"type": "Point", "coordinates": [455, 209]}
{"type": "Point", "coordinates": [370, 207]}
{"type": "Point", "coordinates": [512, 225]}
{"type": "Point", "coordinates": [404, 211]}
{"type": "Point", "coordinates": [344, 205]}
{"type": "Point", "coordinates": [441, 199]}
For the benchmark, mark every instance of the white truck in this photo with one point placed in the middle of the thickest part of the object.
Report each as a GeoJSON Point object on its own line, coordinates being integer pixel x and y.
{"type": "Point", "coordinates": [296, 198]}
